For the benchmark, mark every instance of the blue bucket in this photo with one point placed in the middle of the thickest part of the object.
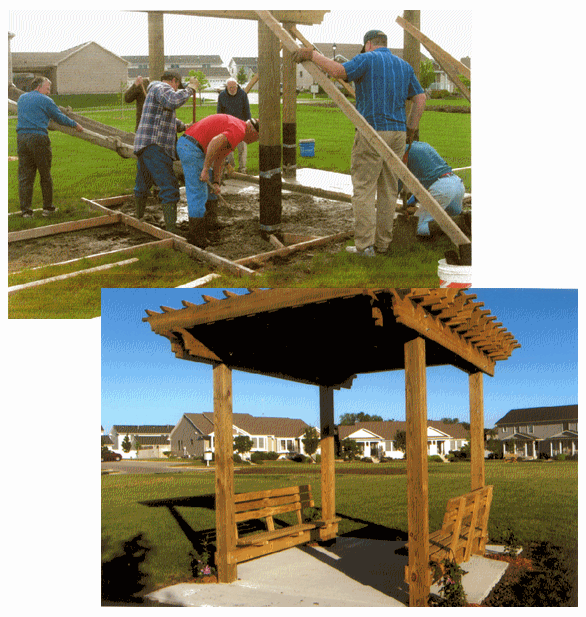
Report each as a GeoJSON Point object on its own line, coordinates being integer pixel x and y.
{"type": "Point", "coordinates": [307, 147]}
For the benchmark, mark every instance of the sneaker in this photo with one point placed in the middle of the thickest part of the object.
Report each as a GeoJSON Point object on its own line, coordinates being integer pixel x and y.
{"type": "Point", "coordinates": [27, 215]}
{"type": "Point", "coordinates": [367, 252]}
{"type": "Point", "coordinates": [49, 211]}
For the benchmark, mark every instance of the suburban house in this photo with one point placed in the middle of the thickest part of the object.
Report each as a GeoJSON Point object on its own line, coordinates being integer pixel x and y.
{"type": "Point", "coordinates": [88, 68]}
{"type": "Point", "coordinates": [535, 430]}
{"type": "Point", "coordinates": [250, 66]}
{"type": "Point", "coordinates": [194, 434]}
{"type": "Point", "coordinates": [153, 440]}
{"type": "Point", "coordinates": [378, 438]}
{"type": "Point", "coordinates": [211, 66]}
{"type": "Point", "coordinates": [106, 439]}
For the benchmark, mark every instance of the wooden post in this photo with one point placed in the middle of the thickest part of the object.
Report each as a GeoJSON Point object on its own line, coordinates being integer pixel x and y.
{"type": "Point", "coordinates": [289, 112]}
{"type": "Point", "coordinates": [225, 518]}
{"type": "Point", "coordinates": [269, 148]}
{"type": "Point", "coordinates": [328, 473]}
{"type": "Point", "coordinates": [417, 488]}
{"type": "Point", "coordinates": [412, 50]}
{"type": "Point", "coordinates": [156, 45]}
{"type": "Point", "coordinates": [477, 479]}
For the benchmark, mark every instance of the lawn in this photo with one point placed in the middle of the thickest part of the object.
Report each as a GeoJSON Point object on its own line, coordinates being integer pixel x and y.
{"type": "Point", "coordinates": [81, 169]}
{"type": "Point", "coordinates": [537, 501]}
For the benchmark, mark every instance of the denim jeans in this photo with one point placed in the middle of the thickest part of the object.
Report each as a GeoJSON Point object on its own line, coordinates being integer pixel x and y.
{"type": "Point", "coordinates": [197, 192]}
{"type": "Point", "coordinates": [34, 154]}
{"type": "Point", "coordinates": [155, 167]}
{"type": "Point", "coordinates": [449, 193]}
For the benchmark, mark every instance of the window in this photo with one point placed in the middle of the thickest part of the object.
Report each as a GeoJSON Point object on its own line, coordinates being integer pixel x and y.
{"type": "Point", "coordinates": [531, 428]}
{"type": "Point", "coordinates": [505, 429]}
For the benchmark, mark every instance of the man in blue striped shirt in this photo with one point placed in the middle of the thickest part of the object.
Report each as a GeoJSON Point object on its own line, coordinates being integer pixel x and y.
{"type": "Point", "coordinates": [154, 144]}
{"type": "Point", "coordinates": [383, 84]}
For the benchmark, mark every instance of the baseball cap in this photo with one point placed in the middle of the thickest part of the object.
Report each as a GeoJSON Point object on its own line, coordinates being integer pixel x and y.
{"type": "Point", "coordinates": [168, 75]}
{"type": "Point", "coordinates": [371, 34]}
{"type": "Point", "coordinates": [255, 124]}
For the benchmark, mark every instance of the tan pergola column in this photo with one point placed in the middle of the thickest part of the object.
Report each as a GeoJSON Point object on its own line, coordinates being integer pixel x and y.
{"type": "Point", "coordinates": [417, 486]}
{"type": "Point", "coordinates": [156, 45]}
{"type": "Point", "coordinates": [328, 471]}
{"type": "Point", "coordinates": [225, 519]}
{"type": "Point", "coordinates": [476, 387]}
{"type": "Point", "coordinates": [289, 112]}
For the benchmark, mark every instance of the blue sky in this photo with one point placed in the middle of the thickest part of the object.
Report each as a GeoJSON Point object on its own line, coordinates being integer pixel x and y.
{"type": "Point", "coordinates": [143, 383]}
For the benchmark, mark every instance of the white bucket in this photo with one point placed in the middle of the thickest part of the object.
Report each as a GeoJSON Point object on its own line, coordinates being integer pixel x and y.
{"type": "Point", "coordinates": [456, 277]}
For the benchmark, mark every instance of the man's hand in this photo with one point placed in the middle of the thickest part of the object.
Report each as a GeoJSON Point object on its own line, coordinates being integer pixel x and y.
{"type": "Point", "coordinates": [193, 83]}
{"type": "Point", "coordinates": [138, 80]}
{"type": "Point", "coordinates": [79, 128]}
{"type": "Point", "coordinates": [216, 188]}
{"type": "Point", "coordinates": [303, 54]}
{"type": "Point", "coordinates": [411, 134]}
{"type": "Point", "coordinates": [205, 175]}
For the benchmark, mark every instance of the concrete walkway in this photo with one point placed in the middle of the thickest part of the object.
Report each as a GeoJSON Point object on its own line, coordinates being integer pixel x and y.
{"type": "Point", "coordinates": [352, 572]}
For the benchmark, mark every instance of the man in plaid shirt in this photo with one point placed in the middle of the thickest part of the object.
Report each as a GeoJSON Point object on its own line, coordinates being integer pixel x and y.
{"type": "Point", "coordinates": [154, 144]}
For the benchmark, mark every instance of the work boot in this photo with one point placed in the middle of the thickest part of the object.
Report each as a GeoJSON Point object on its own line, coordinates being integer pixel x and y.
{"type": "Point", "coordinates": [211, 215]}
{"type": "Point", "coordinates": [197, 232]}
{"type": "Point", "coordinates": [170, 216]}
{"type": "Point", "coordinates": [140, 204]}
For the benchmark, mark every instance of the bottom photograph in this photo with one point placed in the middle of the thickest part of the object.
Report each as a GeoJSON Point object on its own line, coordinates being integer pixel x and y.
{"type": "Point", "coordinates": [339, 447]}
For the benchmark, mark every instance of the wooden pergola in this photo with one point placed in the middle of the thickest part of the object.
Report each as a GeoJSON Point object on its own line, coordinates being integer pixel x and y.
{"type": "Point", "coordinates": [325, 337]}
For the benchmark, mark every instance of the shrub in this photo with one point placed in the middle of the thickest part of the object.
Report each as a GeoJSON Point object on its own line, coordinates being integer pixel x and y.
{"type": "Point", "coordinates": [435, 458]}
{"type": "Point", "coordinates": [560, 457]}
{"type": "Point", "coordinates": [450, 580]}
{"type": "Point", "coordinates": [366, 459]}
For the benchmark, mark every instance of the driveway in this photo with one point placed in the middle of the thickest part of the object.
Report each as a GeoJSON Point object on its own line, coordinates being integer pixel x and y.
{"type": "Point", "coordinates": [138, 466]}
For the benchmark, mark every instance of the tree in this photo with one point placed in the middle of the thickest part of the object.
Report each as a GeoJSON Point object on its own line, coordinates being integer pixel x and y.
{"type": "Point", "coordinates": [450, 420]}
{"type": "Point", "coordinates": [310, 441]}
{"type": "Point", "coordinates": [347, 419]}
{"type": "Point", "coordinates": [241, 77]}
{"type": "Point", "coordinates": [242, 444]}
{"type": "Point", "coordinates": [426, 74]}
{"type": "Point", "coordinates": [202, 79]}
{"type": "Point", "coordinates": [401, 441]}
{"type": "Point", "coordinates": [350, 448]}
{"type": "Point", "coordinates": [126, 445]}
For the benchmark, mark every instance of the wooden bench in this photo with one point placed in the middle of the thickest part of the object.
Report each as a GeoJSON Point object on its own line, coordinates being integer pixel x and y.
{"type": "Point", "coordinates": [266, 505]}
{"type": "Point", "coordinates": [464, 531]}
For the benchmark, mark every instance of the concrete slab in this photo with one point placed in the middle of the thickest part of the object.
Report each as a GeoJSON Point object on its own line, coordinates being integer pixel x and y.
{"type": "Point", "coordinates": [351, 572]}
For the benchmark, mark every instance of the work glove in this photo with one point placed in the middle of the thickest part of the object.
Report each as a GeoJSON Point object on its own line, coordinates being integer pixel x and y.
{"type": "Point", "coordinates": [411, 135]}
{"type": "Point", "coordinates": [303, 54]}
{"type": "Point", "coordinates": [193, 83]}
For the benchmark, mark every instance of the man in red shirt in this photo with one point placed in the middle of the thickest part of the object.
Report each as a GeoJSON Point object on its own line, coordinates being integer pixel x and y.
{"type": "Point", "coordinates": [202, 147]}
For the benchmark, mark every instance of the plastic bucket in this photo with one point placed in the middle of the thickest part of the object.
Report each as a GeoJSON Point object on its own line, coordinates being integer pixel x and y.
{"type": "Point", "coordinates": [457, 277]}
{"type": "Point", "coordinates": [307, 147]}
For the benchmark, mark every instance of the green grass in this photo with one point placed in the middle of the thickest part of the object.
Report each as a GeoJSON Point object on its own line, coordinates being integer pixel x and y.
{"type": "Point", "coordinates": [81, 169]}
{"type": "Point", "coordinates": [538, 501]}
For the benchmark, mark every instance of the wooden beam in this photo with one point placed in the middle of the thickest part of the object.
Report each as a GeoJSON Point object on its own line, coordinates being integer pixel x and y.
{"type": "Point", "coordinates": [289, 112]}
{"type": "Point", "coordinates": [445, 222]}
{"type": "Point", "coordinates": [225, 515]}
{"type": "Point", "coordinates": [476, 393]}
{"type": "Point", "coordinates": [328, 471]}
{"type": "Point", "coordinates": [156, 45]}
{"type": "Point", "coordinates": [296, 17]}
{"type": "Point", "coordinates": [449, 64]}
{"type": "Point", "coordinates": [417, 482]}
{"type": "Point", "coordinates": [61, 228]}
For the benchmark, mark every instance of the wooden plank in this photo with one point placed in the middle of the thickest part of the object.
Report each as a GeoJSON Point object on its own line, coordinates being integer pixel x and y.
{"type": "Point", "coordinates": [225, 516]}
{"type": "Point", "coordinates": [63, 277]}
{"type": "Point", "coordinates": [61, 228]}
{"type": "Point", "coordinates": [417, 482]}
{"type": "Point", "coordinates": [396, 164]}
{"type": "Point", "coordinates": [273, 492]}
{"type": "Point", "coordinates": [296, 17]}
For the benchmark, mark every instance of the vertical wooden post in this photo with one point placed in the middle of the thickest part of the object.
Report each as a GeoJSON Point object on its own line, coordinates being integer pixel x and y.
{"type": "Point", "coordinates": [417, 487]}
{"type": "Point", "coordinates": [269, 147]}
{"type": "Point", "coordinates": [412, 48]}
{"type": "Point", "coordinates": [225, 518]}
{"type": "Point", "coordinates": [328, 473]}
{"type": "Point", "coordinates": [476, 388]}
{"type": "Point", "coordinates": [289, 112]}
{"type": "Point", "coordinates": [156, 45]}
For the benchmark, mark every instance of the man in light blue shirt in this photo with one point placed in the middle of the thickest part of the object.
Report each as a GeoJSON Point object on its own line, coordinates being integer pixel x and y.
{"type": "Point", "coordinates": [383, 84]}
{"type": "Point", "coordinates": [35, 111]}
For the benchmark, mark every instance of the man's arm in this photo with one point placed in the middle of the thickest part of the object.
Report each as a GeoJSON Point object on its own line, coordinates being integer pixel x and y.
{"type": "Point", "coordinates": [331, 67]}
{"type": "Point", "coordinates": [417, 109]}
{"type": "Point", "coordinates": [218, 149]}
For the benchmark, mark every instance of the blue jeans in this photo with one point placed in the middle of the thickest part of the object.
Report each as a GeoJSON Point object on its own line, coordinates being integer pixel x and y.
{"type": "Point", "coordinates": [155, 167]}
{"type": "Point", "coordinates": [197, 192]}
{"type": "Point", "coordinates": [449, 193]}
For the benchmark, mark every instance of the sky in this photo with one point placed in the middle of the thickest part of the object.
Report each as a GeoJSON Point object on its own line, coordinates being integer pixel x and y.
{"type": "Point", "coordinates": [125, 32]}
{"type": "Point", "coordinates": [143, 383]}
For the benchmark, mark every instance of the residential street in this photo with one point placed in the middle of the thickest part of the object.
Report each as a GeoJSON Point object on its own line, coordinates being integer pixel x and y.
{"type": "Point", "coordinates": [134, 466]}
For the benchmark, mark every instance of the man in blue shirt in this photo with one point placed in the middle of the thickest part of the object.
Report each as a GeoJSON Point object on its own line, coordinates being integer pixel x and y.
{"type": "Point", "coordinates": [437, 177]}
{"type": "Point", "coordinates": [234, 102]}
{"type": "Point", "coordinates": [35, 110]}
{"type": "Point", "coordinates": [383, 84]}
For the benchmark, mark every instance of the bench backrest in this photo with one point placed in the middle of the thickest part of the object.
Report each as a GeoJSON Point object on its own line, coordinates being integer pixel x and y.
{"type": "Point", "coordinates": [267, 504]}
{"type": "Point", "coordinates": [466, 518]}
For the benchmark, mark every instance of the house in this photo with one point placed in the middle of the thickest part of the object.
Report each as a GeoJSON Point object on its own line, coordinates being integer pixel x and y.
{"type": "Point", "coordinates": [153, 440]}
{"type": "Point", "coordinates": [210, 65]}
{"type": "Point", "coordinates": [195, 433]}
{"type": "Point", "coordinates": [88, 68]}
{"type": "Point", "coordinates": [106, 439]}
{"type": "Point", "coordinates": [250, 66]}
{"type": "Point", "coordinates": [378, 438]}
{"type": "Point", "coordinates": [536, 430]}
